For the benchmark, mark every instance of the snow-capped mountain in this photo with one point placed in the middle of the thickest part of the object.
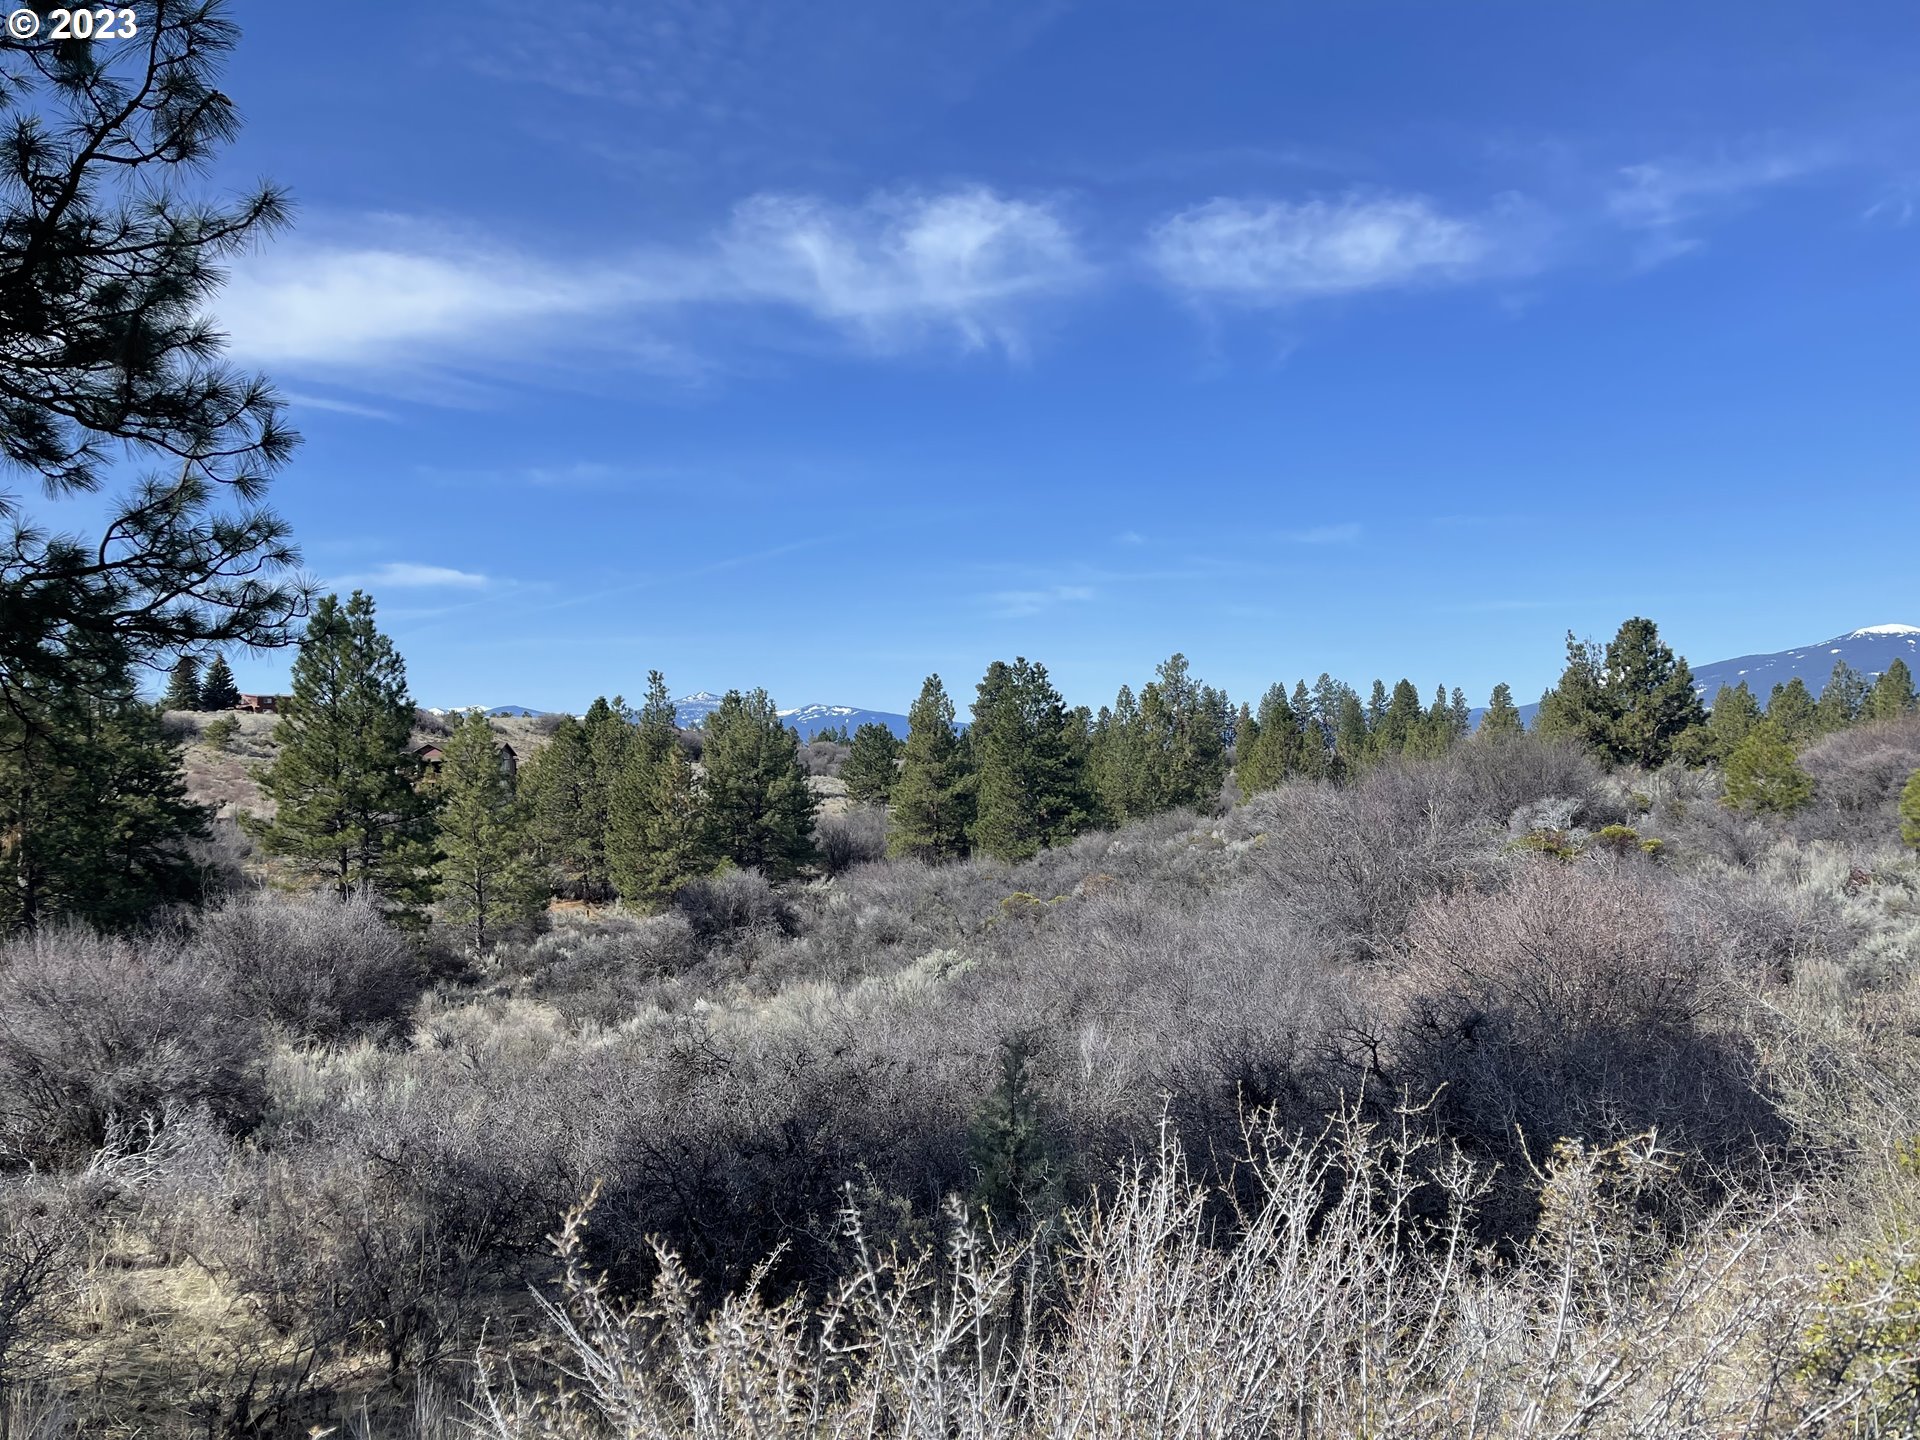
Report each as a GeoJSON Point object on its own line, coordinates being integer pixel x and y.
{"type": "Point", "coordinates": [809, 720]}
{"type": "Point", "coordinates": [491, 711]}
{"type": "Point", "coordinates": [1868, 650]}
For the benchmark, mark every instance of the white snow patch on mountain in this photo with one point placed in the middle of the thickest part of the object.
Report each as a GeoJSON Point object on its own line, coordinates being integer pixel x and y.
{"type": "Point", "coordinates": [1884, 630]}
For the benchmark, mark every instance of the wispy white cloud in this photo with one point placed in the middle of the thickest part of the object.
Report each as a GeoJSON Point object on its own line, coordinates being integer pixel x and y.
{"type": "Point", "coordinates": [1342, 534]}
{"type": "Point", "coordinates": [1669, 201]}
{"type": "Point", "coordinates": [299, 399]}
{"type": "Point", "coordinates": [403, 575]}
{"type": "Point", "coordinates": [969, 263]}
{"type": "Point", "coordinates": [1276, 252]}
{"type": "Point", "coordinates": [963, 267]}
{"type": "Point", "coordinates": [1012, 604]}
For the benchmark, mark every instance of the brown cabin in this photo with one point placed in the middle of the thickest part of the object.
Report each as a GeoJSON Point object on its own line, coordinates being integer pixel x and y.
{"type": "Point", "coordinates": [432, 756]}
{"type": "Point", "coordinates": [259, 704]}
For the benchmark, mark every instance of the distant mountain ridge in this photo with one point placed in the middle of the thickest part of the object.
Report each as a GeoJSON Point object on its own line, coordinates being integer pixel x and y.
{"type": "Point", "coordinates": [809, 720]}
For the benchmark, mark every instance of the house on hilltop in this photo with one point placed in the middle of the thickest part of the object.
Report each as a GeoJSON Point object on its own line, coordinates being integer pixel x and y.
{"type": "Point", "coordinates": [433, 755]}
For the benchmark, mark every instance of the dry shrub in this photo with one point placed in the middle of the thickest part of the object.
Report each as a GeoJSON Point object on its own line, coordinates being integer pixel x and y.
{"type": "Point", "coordinates": [853, 837]}
{"type": "Point", "coordinates": [1857, 774]}
{"type": "Point", "coordinates": [320, 967]}
{"type": "Point", "coordinates": [1350, 1303]}
{"type": "Point", "coordinates": [93, 1028]}
{"type": "Point", "coordinates": [1585, 1001]}
{"type": "Point", "coordinates": [732, 902]}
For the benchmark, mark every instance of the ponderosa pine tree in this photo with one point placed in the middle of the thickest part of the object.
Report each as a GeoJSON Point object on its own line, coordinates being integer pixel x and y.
{"type": "Point", "coordinates": [1629, 704]}
{"type": "Point", "coordinates": [1459, 714]}
{"type": "Point", "coordinates": [1377, 705]}
{"type": "Point", "coordinates": [1733, 717]}
{"type": "Point", "coordinates": [1502, 716]}
{"type": "Point", "coordinates": [350, 814]}
{"type": "Point", "coordinates": [932, 805]}
{"type": "Point", "coordinates": [1032, 788]}
{"type": "Point", "coordinates": [1792, 709]}
{"type": "Point", "coordinates": [488, 878]}
{"type": "Point", "coordinates": [1649, 696]}
{"type": "Point", "coordinates": [1762, 774]}
{"type": "Point", "coordinates": [217, 688]}
{"type": "Point", "coordinates": [554, 788]}
{"type": "Point", "coordinates": [1892, 694]}
{"type": "Point", "coordinates": [1400, 726]}
{"type": "Point", "coordinates": [1842, 700]}
{"type": "Point", "coordinates": [1183, 746]}
{"type": "Point", "coordinates": [659, 834]}
{"type": "Point", "coordinates": [872, 764]}
{"type": "Point", "coordinates": [93, 807]}
{"type": "Point", "coordinates": [109, 365]}
{"type": "Point", "coordinates": [1910, 811]}
{"type": "Point", "coordinates": [1117, 766]}
{"type": "Point", "coordinates": [760, 808]}
{"type": "Point", "coordinates": [1316, 741]}
{"type": "Point", "coordinates": [1274, 753]}
{"type": "Point", "coordinates": [183, 685]}
{"type": "Point", "coordinates": [1352, 741]}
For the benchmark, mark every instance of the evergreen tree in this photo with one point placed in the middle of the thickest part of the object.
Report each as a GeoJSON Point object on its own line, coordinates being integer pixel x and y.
{"type": "Point", "coordinates": [1118, 765]}
{"type": "Point", "coordinates": [760, 806]}
{"type": "Point", "coordinates": [95, 823]}
{"type": "Point", "coordinates": [1459, 714]}
{"type": "Point", "coordinates": [1630, 704]}
{"type": "Point", "coordinates": [488, 877]}
{"type": "Point", "coordinates": [1763, 775]}
{"type": "Point", "coordinates": [1649, 692]}
{"type": "Point", "coordinates": [350, 814]}
{"type": "Point", "coordinates": [1316, 753]}
{"type": "Point", "coordinates": [183, 685]}
{"type": "Point", "coordinates": [1183, 747]}
{"type": "Point", "coordinates": [217, 689]}
{"type": "Point", "coordinates": [1734, 715]}
{"type": "Point", "coordinates": [1274, 752]}
{"type": "Point", "coordinates": [1351, 738]}
{"type": "Point", "coordinates": [1502, 716]}
{"type": "Point", "coordinates": [555, 788]}
{"type": "Point", "coordinates": [110, 266]}
{"type": "Point", "coordinates": [1031, 785]}
{"type": "Point", "coordinates": [659, 834]}
{"type": "Point", "coordinates": [1910, 811]}
{"type": "Point", "coordinates": [1434, 733]}
{"type": "Point", "coordinates": [1015, 1174]}
{"type": "Point", "coordinates": [1791, 708]}
{"type": "Point", "coordinates": [1892, 694]}
{"type": "Point", "coordinates": [872, 764]}
{"type": "Point", "coordinates": [932, 805]}
{"type": "Point", "coordinates": [1577, 709]}
{"type": "Point", "coordinates": [1401, 723]}
{"type": "Point", "coordinates": [1377, 705]}
{"type": "Point", "coordinates": [1842, 700]}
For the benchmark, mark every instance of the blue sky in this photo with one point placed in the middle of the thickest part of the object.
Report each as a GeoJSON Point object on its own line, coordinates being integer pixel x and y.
{"type": "Point", "coordinates": [820, 346]}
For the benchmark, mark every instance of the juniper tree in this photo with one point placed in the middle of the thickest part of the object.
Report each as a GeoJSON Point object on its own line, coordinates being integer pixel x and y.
{"type": "Point", "coordinates": [1032, 787]}
{"type": "Point", "coordinates": [1892, 694]}
{"type": "Point", "coordinates": [932, 803]}
{"type": "Point", "coordinates": [349, 812]}
{"type": "Point", "coordinates": [1502, 716]}
{"type": "Point", "coordinates": [761, 809]}
{"type": "Point", "coordinates": [658, 833]}
{"type": "Point", "coordinates": [1791, 708]}
{"type": "Point", "coordinates": [110, 364]}
{"type": "Point", "coordinates": [1016, 1175]}
{"type": "Point", "coordinates": [872, 764]}
{"type": "Point", "coordinates": [1762, 774]}
{"type": "Point", "coordinates": [183, 685]}
{"type": "Point", "coordinates": [217, 689]}
{"type": "Point", "coordinates": [488, 878]}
